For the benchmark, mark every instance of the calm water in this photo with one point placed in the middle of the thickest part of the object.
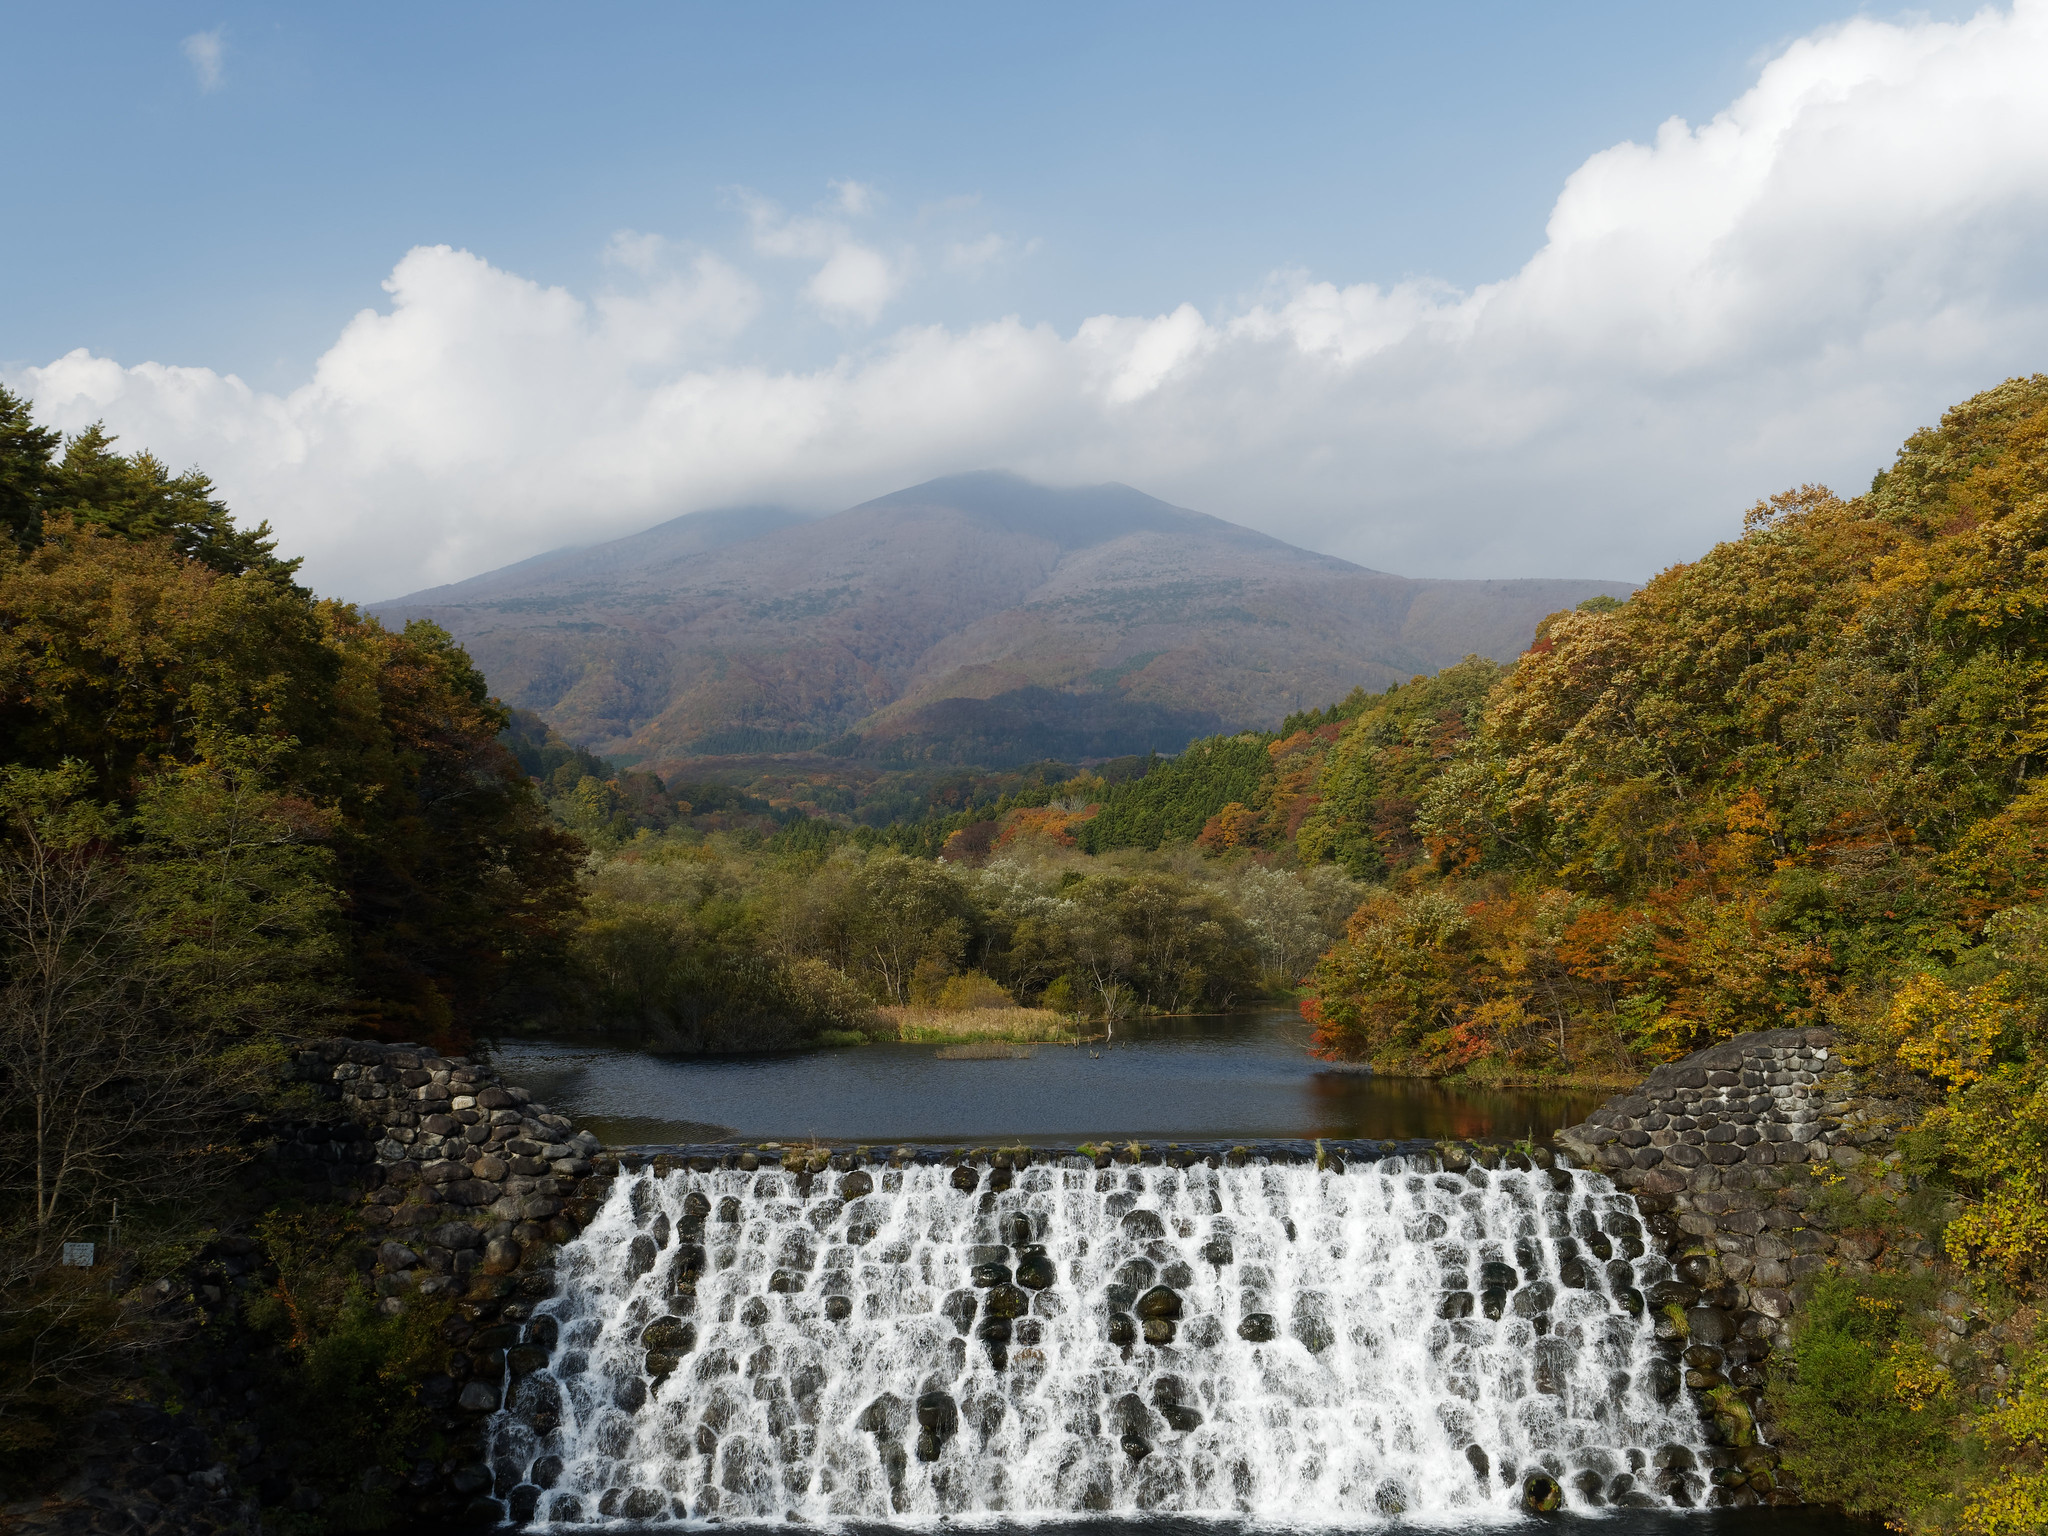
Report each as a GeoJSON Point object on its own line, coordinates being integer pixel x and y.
{"type": "Point", "coordinates": [1239, 1076]}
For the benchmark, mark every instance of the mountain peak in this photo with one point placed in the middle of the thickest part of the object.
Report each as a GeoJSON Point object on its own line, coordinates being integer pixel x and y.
{"type": "Point", "coordinates": [975, 618]}
{"type": "Point", "coordinates": [1074, 517]}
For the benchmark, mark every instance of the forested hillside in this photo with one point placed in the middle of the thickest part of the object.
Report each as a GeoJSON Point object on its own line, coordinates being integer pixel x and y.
{"type": "Point", "coordinates": [275, 794]}
{"type": "Point", "coordinates": [1774, 783]}
{"type": "Point", "coordinates": [231, 817]}
{"type": "Point", "coordinates": [1795, 781]}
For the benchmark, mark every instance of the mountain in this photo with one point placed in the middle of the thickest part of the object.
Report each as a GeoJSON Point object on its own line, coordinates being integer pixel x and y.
{"type": "Point", "coordinates": [978, 618]}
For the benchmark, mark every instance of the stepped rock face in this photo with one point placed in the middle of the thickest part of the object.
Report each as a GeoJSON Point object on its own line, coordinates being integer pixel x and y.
{"type": "Point", "coordinates": [1036, 1332]}
{"type": "Point", "coordinates": [976, 618]}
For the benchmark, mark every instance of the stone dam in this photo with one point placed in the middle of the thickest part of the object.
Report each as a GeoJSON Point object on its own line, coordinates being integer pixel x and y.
{"type": "Point", "coordinates": [1307, 1333]}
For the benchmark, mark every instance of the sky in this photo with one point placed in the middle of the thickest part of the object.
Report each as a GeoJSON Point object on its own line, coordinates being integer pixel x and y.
{"type": "Point", "coordinates": [1450, 290]}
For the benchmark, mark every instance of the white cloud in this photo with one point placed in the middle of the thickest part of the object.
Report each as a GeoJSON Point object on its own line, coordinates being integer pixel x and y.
{"type": "Point", "coordinates": [203, 51]}
{"type": "Point", "coordinates": [856, 281]}
{"type": "Point", "coordinates": [855, 197]}
{"type": "Point", "coordinates": [636, 251]}
{"type": "Point", "coordinates": [974, 255]}
{"type": "Point", "coordinates": [777, 234]}
{"type": "Point", "coordinates": [1776, 295]}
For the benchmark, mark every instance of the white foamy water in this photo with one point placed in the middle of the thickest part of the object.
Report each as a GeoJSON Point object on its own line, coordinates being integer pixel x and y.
{"type": "Point", "coordinates": [838, 1358]}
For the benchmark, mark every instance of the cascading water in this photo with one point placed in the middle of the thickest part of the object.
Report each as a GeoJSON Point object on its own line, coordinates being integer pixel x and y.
{"type": "Point", "coordinates": [1272, 1341]}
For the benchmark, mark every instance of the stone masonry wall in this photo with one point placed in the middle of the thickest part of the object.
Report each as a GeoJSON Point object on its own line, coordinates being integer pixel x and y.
{"type": "Point", "coordinates": [467, 1187]}
{"type": "Point", "coordinates": [473, 1187]}
{"type": "Point", "coordinates": [1722, 1152]}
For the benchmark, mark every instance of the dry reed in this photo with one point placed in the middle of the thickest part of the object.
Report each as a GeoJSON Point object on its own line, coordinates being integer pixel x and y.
{"type": "Point", "coordinates": [1015, 1026]}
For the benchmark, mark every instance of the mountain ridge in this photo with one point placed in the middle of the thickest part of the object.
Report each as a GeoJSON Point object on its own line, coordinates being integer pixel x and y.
{"type": "Point", "coordinates": [1026, 620]}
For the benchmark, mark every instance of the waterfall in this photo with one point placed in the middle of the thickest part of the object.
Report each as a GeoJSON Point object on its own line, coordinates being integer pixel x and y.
{"type": "Point", "coordinates": [1279, 1342]}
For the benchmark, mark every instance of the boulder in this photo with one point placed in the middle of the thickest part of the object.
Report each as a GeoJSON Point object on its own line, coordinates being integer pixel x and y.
{"type": "Point", "coordinates": [525, 1359]}
{"type": "Point", "coordinates": [938, 1416]}
{"type": "Point", "coordinates": [1036, 1270]}
{"type": "Point", "coordinates": [1006, 1301]}
{"type": "Point", "coordinates": [1310, 1322]}
{"type": "Point", "coordinates": [1710, 1326]}
{"type": "Point", "coordinates": [396, 1256]}
{"type": "Point", "coordinates": [959, 1308]}
{"type": "Point", "coordinates": [1143, 1226]}
{"type": "Point", "coordinates": [1664, 1379]}
{"type": "Point", "coordinates": [671, 1335]}
{"type": "Point", "coordinates": [1160, 1302]}
{"type": "Point", "coordinates": [886, 1417]}
{"type": "Point", "coordinates": [501, 1256]}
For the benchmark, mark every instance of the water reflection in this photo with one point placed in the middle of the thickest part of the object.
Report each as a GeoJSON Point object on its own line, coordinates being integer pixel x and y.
{"type": "Point", "coordinates": [1238, 1076]}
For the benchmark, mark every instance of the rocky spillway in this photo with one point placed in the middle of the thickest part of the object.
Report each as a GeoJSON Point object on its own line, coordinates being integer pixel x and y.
{"type": "Point", "coordinates": [1283, 1341]}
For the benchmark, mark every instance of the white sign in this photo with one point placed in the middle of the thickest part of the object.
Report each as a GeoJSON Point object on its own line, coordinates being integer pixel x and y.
{"type": "Point", "coordinates": [78, 1255]}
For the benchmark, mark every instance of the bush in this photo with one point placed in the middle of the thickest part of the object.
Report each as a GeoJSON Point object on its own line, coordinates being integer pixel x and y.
{"type": "Point", "coordinates": [972, 989]}
{"type": "Point", "coordinates": [1870, 1416]}
{"type": "Point", "coordinates": [339, 1398]}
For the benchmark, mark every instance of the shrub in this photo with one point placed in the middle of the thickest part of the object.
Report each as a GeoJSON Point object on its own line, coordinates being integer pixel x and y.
{"type": "Point", "coordinates": [972, 989]}
{"type": "Point", "coordinates": [1870, 1415]}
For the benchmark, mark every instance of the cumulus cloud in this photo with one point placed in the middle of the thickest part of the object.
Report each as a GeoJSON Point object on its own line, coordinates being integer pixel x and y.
{"type": "Point", "coordinates": [1775, 295]}
{"type": "Point", "coordinates": [856, 281]}
{"type": "Point", "coordinates": [202, 51]}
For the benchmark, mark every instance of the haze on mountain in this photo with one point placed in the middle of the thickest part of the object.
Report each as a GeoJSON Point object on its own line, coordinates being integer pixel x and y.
{"type": "Point", "coordinates": [979, 618]}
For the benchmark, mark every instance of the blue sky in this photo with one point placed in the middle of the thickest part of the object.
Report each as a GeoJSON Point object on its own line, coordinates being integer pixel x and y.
{"type": "Point", "coordinates": [919, 206]}
{"type": "Point", "coordinates": [1155, 153]}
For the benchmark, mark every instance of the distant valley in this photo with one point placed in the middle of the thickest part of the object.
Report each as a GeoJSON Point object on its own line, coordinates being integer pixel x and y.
{"type": "Point", "coordinates": [974, 619]}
